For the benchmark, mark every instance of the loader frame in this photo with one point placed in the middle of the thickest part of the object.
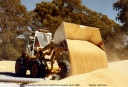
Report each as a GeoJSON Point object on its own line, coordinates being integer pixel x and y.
{"type": "Point", "coordinates": [40, 59]}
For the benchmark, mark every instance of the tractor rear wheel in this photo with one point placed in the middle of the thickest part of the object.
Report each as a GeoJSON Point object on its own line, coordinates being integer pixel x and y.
{"type": "Point", "coordinates": [65, 69]}
{"type": "Point", "coordinates": [37, 69]}
{"type": "Point", "coordinates": [20, 67]}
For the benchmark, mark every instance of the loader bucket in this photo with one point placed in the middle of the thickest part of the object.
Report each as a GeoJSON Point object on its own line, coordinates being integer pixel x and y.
{"type": "Point", "coordinates": [85, 47]}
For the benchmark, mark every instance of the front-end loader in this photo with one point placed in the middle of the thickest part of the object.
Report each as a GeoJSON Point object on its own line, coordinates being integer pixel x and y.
{"type": "Point", "coordinates": [44, 55]}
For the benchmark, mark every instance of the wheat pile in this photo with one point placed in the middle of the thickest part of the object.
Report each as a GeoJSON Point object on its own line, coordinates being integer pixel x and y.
{"type": "Point", "coordinates": [119, 66]}
{"type": "Point", "coordinates": [98, 78]}
{"type": "Point", "coordinates": [104, 77]}
{"type": "Point", "coordinates": [85, 57]}
{"type": "Point", "coordinates": [115, 76]}
{"type": "Point", "coordinates": [7, 66]}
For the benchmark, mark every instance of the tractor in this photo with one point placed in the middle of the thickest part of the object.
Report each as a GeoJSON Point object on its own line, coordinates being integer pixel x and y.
{"type": "Point", "coordinates": [42, 57]}
{"type": "Point", "coordinates": [45, 54]}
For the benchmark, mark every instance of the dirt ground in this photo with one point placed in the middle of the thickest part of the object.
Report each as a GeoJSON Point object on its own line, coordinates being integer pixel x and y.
{"type": "Point", "coordinates": [114, 76]}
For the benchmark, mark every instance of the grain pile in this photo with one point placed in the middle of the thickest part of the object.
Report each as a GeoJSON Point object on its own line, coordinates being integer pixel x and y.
{"type": "Point", "coordinates": [119, 66]}
{"type": "Point", "coordinates": [7, 66]}
{"type": "Point", "coordinates": [115, 76]}
{"type": "Point", "coordinates": [85, 57]}
{"type": "Point", "coordinates": [97, 78]}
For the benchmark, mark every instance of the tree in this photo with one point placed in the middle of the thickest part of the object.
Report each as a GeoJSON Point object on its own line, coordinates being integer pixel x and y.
{"type": "Point", "coordinates": [14, 21]}
{"type": "Point", "coordinates": [50, 14]}
{"type": "Point", "coordinates": [122, 7]}
{"type": "Point", "coordinates": [47, 15]}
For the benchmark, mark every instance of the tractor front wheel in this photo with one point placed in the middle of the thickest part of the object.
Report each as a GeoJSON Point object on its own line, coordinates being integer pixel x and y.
{"type": "Point", "coordinates": [64, 69]}
{"type": "Point", "coordinates": [20, 67]}
{"type": "Point", "coordinates": [37, 69]}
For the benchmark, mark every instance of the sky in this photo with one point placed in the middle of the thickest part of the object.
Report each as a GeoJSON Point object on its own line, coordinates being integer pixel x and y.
{"type": "Point", "coordinates": [103, 6]}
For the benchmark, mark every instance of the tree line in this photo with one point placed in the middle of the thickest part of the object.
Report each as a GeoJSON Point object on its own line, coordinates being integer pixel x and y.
{"type": "Point", "coordinates": [15, 21]}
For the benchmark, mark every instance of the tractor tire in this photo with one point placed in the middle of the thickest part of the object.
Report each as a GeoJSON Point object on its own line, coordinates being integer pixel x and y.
{"type": "Point", "coordinates": [65, 69]}
{"type": "Point", "coordinates": [37, 69]}
{"type": "Point", "coordinates": [20, 67]}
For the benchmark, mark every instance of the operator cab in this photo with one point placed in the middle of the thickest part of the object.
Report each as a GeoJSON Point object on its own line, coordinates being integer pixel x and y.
{"type": "Point", "coordinates": [37, 40]}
